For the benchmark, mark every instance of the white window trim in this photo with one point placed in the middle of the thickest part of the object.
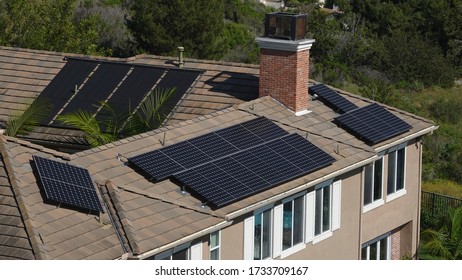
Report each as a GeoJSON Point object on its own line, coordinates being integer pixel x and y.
{"type": "Point", "coordinates": [378, 202]}
{"type": "Point", "coordinates": [249, 225]}
{"type": "Point", "coordinates": [335, 219]}
{"type": "Point", "coordinates": [298, 247]}
{"type": "Point", "coordinates": [399, 193]}
{"type": "Point", "coordinates": [216, 247]}
{"type": "Point", "coordinates": [321, 186]}
{"type": "Point", "coordinates": [292, 250]}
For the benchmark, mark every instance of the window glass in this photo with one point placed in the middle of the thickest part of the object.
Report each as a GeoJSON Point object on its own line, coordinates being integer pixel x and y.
{"type": "Point", "coordinates": [215, 245]}
{"type": "Point", "coordinates": [378, 179]}
{"type": "Point", "coordinates": [180, 255]}
{"type": "Point", "coordinates": [368, 184]}
{"type": "Point", "coordinates": [323, 210]}
{"type": "Point", "coordinates": [318, 212]}
{"type": "Point", "coordinates": [384, 249]}
{"type": "Point", "coordinates": [293, 223]}
{"type": "Point", "coordinates": [326, 209]}
{"type": "Point", "coordinates": [400, 170]}
{"type": "Point", "coordinates": [391, 172]}
{"type": "Point", "coordinates": [266, 235]}
{"type": "Point", "coordinates": [378, 250]}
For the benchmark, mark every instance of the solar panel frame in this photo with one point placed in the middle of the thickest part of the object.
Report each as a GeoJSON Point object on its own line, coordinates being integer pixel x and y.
{"type": "Point", "coordinates": [332, 99]}
{"type": "Point", "coordinates": [373, 124]}
{"type": "Point", "coordinates": [67, 184]}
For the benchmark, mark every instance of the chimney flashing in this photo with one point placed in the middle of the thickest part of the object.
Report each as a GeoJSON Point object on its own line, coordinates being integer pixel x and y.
{"type": "Point", "coordinates": [284, 45]}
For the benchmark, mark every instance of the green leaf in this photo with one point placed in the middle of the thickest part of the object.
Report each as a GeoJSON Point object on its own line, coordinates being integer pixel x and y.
{"type": "Point", "coordinates": [23, 120]}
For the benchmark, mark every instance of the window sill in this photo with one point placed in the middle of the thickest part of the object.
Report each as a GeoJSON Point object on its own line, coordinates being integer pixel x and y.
{"type": "Point", "coordinates": [292, 250]}
{"type": "Point", "coordinates": [322, 236]}
{"type": "Point", "coordinates": [396, 195]}
{"type": "Point", "coordinates": [373, 205]}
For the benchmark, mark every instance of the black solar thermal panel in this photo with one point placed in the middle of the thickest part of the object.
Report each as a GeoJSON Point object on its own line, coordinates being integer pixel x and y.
{"type": "Point", "coordinates": [98, 88]}
{"type": "Point", "coordinates": [67, 184]}
{"type": "Point", "coordinates": [135, 87]}
{"type": "Point", "coordinates": [373, 124]}
{"type": "Point", "coordinates": [332, 99]}
{"type": "Point", "coordinates": [62, 87]}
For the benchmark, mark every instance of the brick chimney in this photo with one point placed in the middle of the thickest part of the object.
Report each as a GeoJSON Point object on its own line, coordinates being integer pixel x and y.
{"type": "Point", "coordinates": [284, 60]}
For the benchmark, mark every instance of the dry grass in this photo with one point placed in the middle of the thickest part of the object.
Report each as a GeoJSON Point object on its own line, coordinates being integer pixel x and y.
{"type": "Point", "coordinates": [445, 187]}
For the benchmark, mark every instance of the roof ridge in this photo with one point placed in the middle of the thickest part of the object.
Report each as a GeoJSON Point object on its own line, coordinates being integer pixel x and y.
{"type": "Point", "coordinates": [31, 229]}
{"type": "Point", "coordinates": [204, 61]}
{"type": "Point", "coordinates": [27, 144]}
{"type": "Point", "coordinates": [118, 211]}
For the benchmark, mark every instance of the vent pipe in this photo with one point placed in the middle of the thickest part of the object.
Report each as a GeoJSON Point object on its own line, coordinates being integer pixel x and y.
{"type": "Point", "coordinates": [180, 57]}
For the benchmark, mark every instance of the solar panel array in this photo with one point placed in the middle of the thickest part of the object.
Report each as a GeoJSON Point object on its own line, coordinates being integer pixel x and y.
{"type": "Point", "coordinates": [259, 168]}
{"type": "Point", "coordinates": [233, 163]}
{"type": "Point", "coordinates": [119, 84]}
{"type": "Point", "coordinates": [373, 124]}
{"type": "Point", "coordinates": [162, 163]}
{"type": "Point", "coordinates": [67, 184]}
{"type": "Point", "coordinates": [332, 99]}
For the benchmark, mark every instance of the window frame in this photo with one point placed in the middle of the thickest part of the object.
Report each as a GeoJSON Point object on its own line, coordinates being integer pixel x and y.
{"type": "Point", "coordinates": [392, 177]}
{"type": "Point", "coordinates": [380, 201]}
{"type": "Point", "coordinates": [301, 245]}
{"type": "Point", "coordinates": [260, 212]}
{"type": "Point", "coordinates": [170, 252]}
{"type": "Point", "coordinates": [218, 247]}
{"type": "Point", "coordinates": [377, 241]}
{"type": "Point", "coordinates": [323, 233]}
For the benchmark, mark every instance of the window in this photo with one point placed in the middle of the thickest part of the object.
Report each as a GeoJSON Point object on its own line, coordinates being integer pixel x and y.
{"type": "Point", "coordinates": [322, 220]}
{"type": "Point", "coordinates": [292, 230]}
{"type": "Point", "coordinates": [215, 245]}
{"type": "Point", "coordinates": [396, 170]}
{"type": "Point", "coordinates": [182, 252]}
{"type": "Point", "coordinates": [262, 235]}
{"type": "Point", "coordinates": [373, 181]}
{"type": "Point", "coordinates": [378, 249]}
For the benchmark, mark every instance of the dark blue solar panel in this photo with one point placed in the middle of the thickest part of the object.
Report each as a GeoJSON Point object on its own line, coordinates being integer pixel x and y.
{"type": "Point", "coordinates": [62, 87]}
{"type": "Point", "coordinates": [98, 88]}
{"type": "Point", "coordinates": [248, 172]}
{"type": "Point", "coordinates": [373, 124]}
{"type": "Point", "coordinates": [67, 184]}
{"type": "Point", "coordinates": [332, 99]}
{"type": "Point", "coordinates": [188, 154]}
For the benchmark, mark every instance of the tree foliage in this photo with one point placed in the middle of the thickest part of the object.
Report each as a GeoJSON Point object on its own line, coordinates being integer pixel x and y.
{"type": "Point", "coordinates": [24, 119]}
{"type": "Point", "coordinates": [161, 26]}
{"type": "Point", "coordinates": [445, 243]}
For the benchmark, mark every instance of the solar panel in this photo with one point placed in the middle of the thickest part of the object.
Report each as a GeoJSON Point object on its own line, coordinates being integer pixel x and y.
{"type": "Point", "coordinates": [251, 171]}
{"type": "Point", "coordinates": [373, 124]}
{"type": "Point", "coordinates": [205, 148]}
{"type": "Point", "coordinates": [98, 87]}
{"type": "Point", "coordinates": [62, 87]}
{"type": "Point", "coordinates": [180, 79]}
{"type": "Point", "coordinates": [332, 99]}
{"type": "Point", "coordinates": [135, 87]}
{"type": "Point", "coordinates": [67, 184]}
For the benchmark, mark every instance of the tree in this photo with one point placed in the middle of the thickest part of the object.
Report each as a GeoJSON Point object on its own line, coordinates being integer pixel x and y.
{"type": "Point", "coordinates": [161, 26]}
{"type": "Point", "coordinates": [445, 243]}
{"type": "Point", "coordinates": [23, 120]}
{"type": "Point", "coordinates": [114, 125]}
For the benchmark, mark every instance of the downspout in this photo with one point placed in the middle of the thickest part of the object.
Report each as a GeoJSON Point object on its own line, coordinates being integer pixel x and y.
{"type": "Point", "coordinates": [184, 240]}
{"type": "Point", "coordinates": [273, 199]}
{"type": "Point", "coordinates": [361, 199]}
{"type": "Point", "coordinates": [419, 198]}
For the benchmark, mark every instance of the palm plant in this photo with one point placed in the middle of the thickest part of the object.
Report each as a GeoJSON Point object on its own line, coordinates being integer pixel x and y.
{"type": "Point", "coordinates": [24, 119]}
{"type": "Point", "coordinates": [114, 124]}
{"type": "Point", "coordinates": [445, 243]}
